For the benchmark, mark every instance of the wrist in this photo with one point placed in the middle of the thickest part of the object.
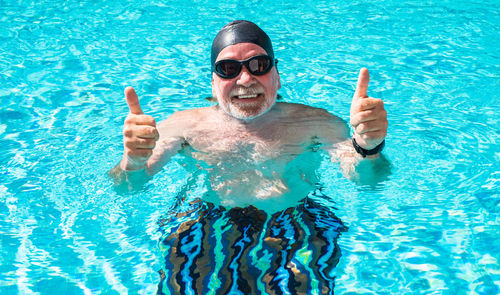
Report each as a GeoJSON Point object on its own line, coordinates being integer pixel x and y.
{"type": "Point", "coordinates": [129, 165]}
{"type": "Point", "coordinates": [367, 152]}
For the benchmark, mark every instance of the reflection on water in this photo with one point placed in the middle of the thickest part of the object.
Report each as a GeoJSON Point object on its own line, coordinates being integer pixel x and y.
{"type": "Point", "coordinates": [209, 249]}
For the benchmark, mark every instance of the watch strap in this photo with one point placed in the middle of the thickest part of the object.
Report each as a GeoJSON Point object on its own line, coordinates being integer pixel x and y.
{"type": "Point", "coordinates": [364, 152]}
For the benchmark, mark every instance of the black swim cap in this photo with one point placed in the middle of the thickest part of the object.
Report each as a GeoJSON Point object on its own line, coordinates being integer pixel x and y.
{"type": "Point", "coordinates": [240, 31]}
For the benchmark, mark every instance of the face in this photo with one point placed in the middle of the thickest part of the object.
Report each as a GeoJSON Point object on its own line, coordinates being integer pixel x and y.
{"type": "Point", "coordinates": [245, 96]}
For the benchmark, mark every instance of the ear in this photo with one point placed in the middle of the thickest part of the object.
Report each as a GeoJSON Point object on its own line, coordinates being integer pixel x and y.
{"type": "Point", "coordinates": [213, 88]}
{"type": "Point", "coordinates": [278, 80]}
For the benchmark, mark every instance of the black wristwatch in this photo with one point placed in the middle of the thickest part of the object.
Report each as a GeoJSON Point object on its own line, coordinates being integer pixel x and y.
{"type": "Point", "coordinates": [364, 152]}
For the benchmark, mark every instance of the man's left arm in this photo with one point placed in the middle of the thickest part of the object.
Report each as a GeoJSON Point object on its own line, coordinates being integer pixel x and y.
{"type": "Point", "coordinates": [360, 156]}
{"type": "Point", "coordinates": [368, 119]}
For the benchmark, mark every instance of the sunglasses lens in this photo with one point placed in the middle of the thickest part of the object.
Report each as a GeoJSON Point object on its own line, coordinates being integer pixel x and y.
{"type": "Point", "coordinates": [228, 68]}
{"type": "Point", "coordinates": [259, 65]}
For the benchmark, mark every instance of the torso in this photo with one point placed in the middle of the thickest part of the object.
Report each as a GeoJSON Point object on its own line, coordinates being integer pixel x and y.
{"type": "Point", "coordinates": [249, 163]}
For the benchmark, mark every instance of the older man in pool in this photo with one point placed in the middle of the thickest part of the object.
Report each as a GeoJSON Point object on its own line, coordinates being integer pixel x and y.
{"type": "Point", "coordinates": [271, 235]}
{"type": "Point", "coordinates": [248, 139]}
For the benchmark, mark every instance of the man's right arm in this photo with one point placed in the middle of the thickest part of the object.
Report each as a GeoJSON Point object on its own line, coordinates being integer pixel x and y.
{"type": "Point", "coordinates": [145, 149]}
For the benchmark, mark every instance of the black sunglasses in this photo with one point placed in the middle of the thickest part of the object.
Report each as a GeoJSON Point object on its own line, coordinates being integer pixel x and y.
{"type": "Point", "coordinates": [256, 65]}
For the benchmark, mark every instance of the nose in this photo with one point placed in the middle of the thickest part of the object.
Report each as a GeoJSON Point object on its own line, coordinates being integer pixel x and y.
{"type": "Point", "coordinates": [245, 78]}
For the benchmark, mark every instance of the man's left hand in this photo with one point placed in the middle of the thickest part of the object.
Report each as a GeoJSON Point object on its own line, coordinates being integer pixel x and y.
{"type": "Point", "coordinates": [368, 116]}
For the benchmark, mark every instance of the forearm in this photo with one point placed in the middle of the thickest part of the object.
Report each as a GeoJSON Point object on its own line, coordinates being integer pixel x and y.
{"type": "Point", "coordinates": [128, 178]}
{"type": "Point", "coordinates": [370, 169]}
{"type": "Point", "coordinates": [135, 173]}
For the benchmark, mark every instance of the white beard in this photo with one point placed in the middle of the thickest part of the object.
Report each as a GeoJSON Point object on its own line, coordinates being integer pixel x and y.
{"type": "Point", "coordinates": [235, 112]}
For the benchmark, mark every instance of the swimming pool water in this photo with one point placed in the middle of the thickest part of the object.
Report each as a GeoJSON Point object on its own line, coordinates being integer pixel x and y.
{"type": "Point", "coordinates": [432, 227]}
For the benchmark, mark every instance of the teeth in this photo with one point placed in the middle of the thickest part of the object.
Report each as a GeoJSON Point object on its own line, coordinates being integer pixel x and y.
{"type": "Point", "coordinates": [247, 96]}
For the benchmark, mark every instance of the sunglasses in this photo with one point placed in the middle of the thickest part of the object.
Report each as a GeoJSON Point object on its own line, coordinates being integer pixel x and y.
{"type": "Point", "coordinates": [257, 65]}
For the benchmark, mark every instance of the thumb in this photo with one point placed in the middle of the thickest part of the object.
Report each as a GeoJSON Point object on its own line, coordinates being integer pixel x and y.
{"type": "Point", "coordinates": [133, 101]}
{"type": "Point", "coordinates": [362, 85]}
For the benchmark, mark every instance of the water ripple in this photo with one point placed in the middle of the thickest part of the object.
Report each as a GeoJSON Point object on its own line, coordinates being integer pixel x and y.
{"type": "Point", "coordinates": [430, 227]}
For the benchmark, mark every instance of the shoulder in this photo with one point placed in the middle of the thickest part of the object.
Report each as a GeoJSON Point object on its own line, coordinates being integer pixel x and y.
{"type": "Point", "coordinates": [187, 116]}
{"type": "Point", "coordinates": [181, 121]}
{"type": "Point", "coordinates": [321, 123]}
{"type": "Point", "coordinates": [298, 110]}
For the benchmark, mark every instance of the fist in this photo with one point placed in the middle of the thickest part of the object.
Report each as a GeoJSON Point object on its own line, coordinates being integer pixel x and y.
{"type": "Point", "coordinates": [139, 134]}
{"type": "Point", "coordinates": [368, 116]}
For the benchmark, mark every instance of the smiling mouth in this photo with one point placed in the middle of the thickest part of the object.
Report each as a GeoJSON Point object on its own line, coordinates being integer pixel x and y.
{"type": "Point", "coordinates": [246, 96]}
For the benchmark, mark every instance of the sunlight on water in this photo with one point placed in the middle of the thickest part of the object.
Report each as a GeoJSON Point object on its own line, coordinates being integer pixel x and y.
{"type": "Point", "coordinates": [431, 227]}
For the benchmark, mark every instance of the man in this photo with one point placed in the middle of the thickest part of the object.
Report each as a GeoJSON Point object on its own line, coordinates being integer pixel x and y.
{"type": "Point", "coordinates": [251, 234]}
{"type": "Point", "coordinates": [247, 139]}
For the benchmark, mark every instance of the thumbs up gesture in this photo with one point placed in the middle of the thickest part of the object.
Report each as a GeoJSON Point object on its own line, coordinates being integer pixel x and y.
{"type": "Point", "coordinates": [368, 116]}
{"type": "Point", "coordinates": [139, 134]}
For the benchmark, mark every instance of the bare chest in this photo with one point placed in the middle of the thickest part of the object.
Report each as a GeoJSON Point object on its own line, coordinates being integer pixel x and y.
{"type": "Point", "coordinates": [267, 142]}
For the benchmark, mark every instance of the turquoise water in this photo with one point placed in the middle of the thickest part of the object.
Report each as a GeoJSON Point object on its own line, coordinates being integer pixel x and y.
{"type": "Point", "coordinates": [432, 227]}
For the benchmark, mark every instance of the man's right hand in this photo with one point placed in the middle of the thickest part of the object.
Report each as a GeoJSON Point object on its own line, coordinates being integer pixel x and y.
{"type": "Point", "coordinates": [139, 134]}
